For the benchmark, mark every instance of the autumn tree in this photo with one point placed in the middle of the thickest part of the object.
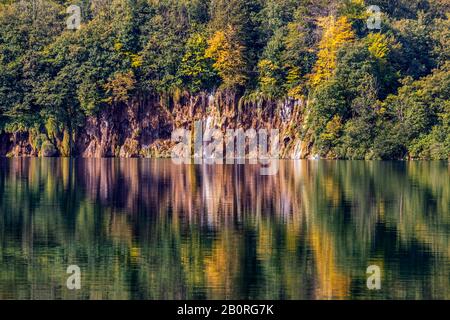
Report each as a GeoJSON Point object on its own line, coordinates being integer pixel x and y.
{"type": "Point", "coordinates": [228, 55]}
{"type": "Point", "coordinates": [360, 87]}
{"type": "Point", "coordinates": [196, 69]}
{"type": "Point", "coordinates": [337, 32]}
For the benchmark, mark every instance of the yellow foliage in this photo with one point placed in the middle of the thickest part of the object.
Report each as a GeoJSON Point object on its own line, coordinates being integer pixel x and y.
{"type": "Point", "coordinates": [118, 46]}
{"type": "Point", "coordinates": [227, 52]}
{"type": "Point", "coordinates": [294, 76]}
{"type": "Point", "coordinates": [135, 252]}
{"type": "Point", "coordinates": [336, 34]}
{"type": "Point", "coordinates": [136, 60]}
{"type": "Point", "coordinates": [378, 45]}
{"type": "Point", "coordinates": [296, 92]}
{"type": "Point", "coordinates": [359, 2]}
{"type": "Point", "coordinates": [333, 129]}
{"type": "Point", "coordinates": [266, 68]}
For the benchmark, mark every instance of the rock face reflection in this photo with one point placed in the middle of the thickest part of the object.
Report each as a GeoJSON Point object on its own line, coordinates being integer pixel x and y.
{"type": "Point", "coordinates": [149, 229]}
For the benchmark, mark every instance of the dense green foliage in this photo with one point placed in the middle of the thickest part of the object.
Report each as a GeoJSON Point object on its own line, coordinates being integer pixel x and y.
{"type": "Point", "coordinates": [375, 94]}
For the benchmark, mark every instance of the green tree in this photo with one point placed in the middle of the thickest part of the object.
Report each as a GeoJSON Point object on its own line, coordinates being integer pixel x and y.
{"type": "Point", "coordinates": [228, 55]}
{"type": "Point", "coordinates": [196, 69]}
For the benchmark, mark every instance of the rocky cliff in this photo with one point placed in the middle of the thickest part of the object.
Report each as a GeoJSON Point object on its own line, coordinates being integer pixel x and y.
{"type": "Point", "coordinates": [143, 127]}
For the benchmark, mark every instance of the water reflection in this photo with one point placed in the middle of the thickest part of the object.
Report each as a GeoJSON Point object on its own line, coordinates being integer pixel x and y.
{"type": "Point", "coordinates": [149, 229]}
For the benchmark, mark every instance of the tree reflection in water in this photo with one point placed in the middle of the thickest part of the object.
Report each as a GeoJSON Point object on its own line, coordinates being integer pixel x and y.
{"type": "Point", "coordinates": [149, 229]}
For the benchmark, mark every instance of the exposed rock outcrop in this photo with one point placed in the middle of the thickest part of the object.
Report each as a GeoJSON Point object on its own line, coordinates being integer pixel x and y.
{"type": "Point", "coordinates": [143, 127]}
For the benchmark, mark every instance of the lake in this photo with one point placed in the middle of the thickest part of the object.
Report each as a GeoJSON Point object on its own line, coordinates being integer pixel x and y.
{"type": "Point", "coordinates": [151, 229]}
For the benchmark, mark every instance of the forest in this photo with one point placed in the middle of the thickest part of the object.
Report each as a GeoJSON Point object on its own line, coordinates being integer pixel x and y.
{"type": "Point", "coordinates": [362, 92]}
{"type": "Point", "coordinates": [133, 225]}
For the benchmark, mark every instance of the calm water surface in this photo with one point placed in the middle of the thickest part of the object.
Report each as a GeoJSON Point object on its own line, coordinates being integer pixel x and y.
{"type": "Point", "coordinates": [150, 229]}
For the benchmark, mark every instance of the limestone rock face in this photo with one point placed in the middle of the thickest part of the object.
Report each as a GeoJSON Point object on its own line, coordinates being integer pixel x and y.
{"type": "Point", "coordinates": [16, 145]}
{"type": "Point", "coordinates": [143, 128]}
{"type": "Point", "coordinates": [130, 149]}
